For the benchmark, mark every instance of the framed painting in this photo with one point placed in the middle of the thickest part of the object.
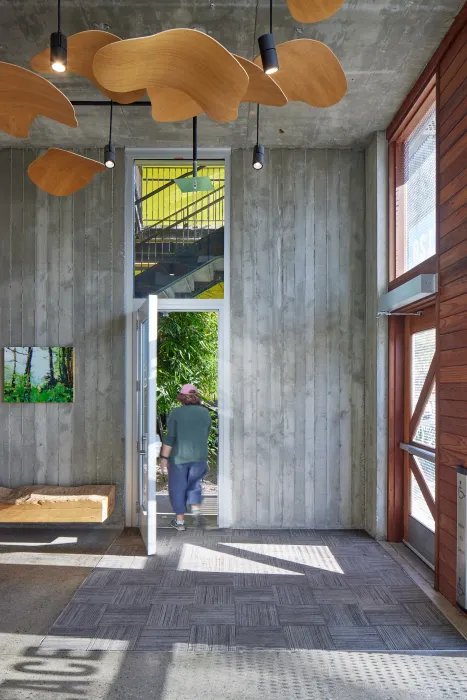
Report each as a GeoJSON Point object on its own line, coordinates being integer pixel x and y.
{"type": "Point", "coordinates": [38, 375]}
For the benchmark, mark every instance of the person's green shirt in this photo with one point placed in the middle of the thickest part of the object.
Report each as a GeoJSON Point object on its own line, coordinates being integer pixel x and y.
{"type": "Point", "coordinates": [188, 429]}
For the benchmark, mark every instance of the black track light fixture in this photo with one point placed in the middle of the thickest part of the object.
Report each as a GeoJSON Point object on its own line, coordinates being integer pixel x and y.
{"type": "Point", "coordinates": [109, 153]}
{"type": "Point", "coordinates": [258, 151]}
{"type": "Point", "coordinates": [58, 48]}
{"type": "Point", "coordinates": [267, 48]}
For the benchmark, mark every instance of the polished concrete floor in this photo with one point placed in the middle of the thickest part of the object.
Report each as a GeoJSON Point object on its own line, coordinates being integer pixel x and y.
{"type": "Point", "coordinates": [219, 614]}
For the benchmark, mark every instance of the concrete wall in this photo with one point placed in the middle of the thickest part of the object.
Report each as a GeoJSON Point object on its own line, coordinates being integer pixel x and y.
{"type": "Point", "coordinates": [61, 283]}
{"type": "Point", "coordinates": [376, 373]}
{"type": "Point", "coordinates": [298, 339]}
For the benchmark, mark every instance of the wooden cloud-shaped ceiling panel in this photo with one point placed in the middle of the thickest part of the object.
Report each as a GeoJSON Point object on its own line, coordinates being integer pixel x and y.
{"type": "Point", "coordinates": [313, 10]}
{"type": "Point", "coordinates": [309, 72]}
{"type": "Point", "coordinates": [25, 96]}
{"type": "Point", "coordinates": [61, 172]}
{"type": "Point", "coordinates": [262, 89]}
{"type": "Point", "coordinates": [82, 48]}
{"type": "Point", "coordinates": [170, 105]}
{"type": "Point", "coordinates": [181, 59]}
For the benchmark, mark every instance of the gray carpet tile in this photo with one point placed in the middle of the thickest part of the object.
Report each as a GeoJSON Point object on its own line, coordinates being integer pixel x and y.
{"type": "Point", "coordinates": [212, 638]}
{"type": "Point", "coordinates": [169, 616]}
{"type": "Point", "coordinates": [175, 596]}
{"type": "Point", "coordinates": [213, 595]}
{"type": "Point", "coordinates": [163, 640]}
{"type": "Point", "coordinates": [256, 615]}
{"type": "Point", "coordinates": [101, 595]}
{"type": "Point", "coordinates": [408, 594]}
{"type": "Point", "coordinates": [184, 579]}
{"type": "Point", "coordinates": [326, 579]}
{"type": "Point", "coordinates": [344, 615]}
{"type": "Point", "coordinates": [403, 637]}
{"type": "Point", "coordinates": [389, 615]}
{"type": "Point", "coordinates": [444, 637]}
{"type": "Point", "coordinates": [252, 595]}
{"type": "Point", "coordinates": [373, 595]}
{"type": "Point", "coordinates": [335, 595]}
{"type": "Point", "coordinates": [212, 614]}
{"type": "Point", "coordinates": [290, 615]}
{"type": "Point", "coordinates": [115, 638]}
{"type": "Point", "coordinates": [308, 637]}
{"type": "Point", "coordinates": [269, 590]}
{"type": "Point", "coordinates": [356, 638]}
{"type": "Point", "coordinates": [295, 595]}
{"type": "Point", "coordinates": [125, 615]}
{"type": "Point", "coordinates": [80, 615]}
{"type": "Point", "coordinates": [205, 578]}
{"type": "Point", "coordinates": [364, 579]}
{"type": "Point", "coordinates": [133, 596]}
{"type": "Point", "coordinates": [142, 578]}
{"type": "Point", "coordinates": [425, 614]}
{"type": "Point", "coordinates": [251, 638]}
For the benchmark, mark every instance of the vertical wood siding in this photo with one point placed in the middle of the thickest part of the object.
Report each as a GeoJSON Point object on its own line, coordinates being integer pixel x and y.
{"type": "Point", "coordinates": [61, 283]}
{"type": "Point", "coordinates": [452, 184]}
{"type": "Point", "coordinates": [298, 339]}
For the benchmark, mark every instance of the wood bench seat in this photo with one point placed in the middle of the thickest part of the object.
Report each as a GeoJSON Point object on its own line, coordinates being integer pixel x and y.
{"type": "Point", "coordinates": [56, 504]}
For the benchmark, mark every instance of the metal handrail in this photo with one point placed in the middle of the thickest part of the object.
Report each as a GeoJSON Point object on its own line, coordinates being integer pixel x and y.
{"type": "Point", "coordinates": [422, 452]}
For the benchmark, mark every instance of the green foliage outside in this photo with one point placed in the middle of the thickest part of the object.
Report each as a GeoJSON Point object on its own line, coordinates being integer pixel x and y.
{"type": "Point", "coordinates": [188, 354]}
{"type": "Point", "coordinates": [38, 375]}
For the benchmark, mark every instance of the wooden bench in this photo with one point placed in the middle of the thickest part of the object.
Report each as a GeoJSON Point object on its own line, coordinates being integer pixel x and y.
{"type": "Point", "coordinates": [56, 504]}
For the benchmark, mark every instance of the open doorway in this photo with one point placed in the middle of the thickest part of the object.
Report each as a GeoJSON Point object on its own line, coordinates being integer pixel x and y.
{"type": "Point", "coordinates": [188, 353]}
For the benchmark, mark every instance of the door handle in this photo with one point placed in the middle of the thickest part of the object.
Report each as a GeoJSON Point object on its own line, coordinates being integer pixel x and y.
{"type": "Point", "coordinates": [142, 452]}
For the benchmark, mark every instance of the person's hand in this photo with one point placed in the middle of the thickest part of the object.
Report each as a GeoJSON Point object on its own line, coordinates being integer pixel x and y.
{"type": "Point", "coordinates": [163, 465]}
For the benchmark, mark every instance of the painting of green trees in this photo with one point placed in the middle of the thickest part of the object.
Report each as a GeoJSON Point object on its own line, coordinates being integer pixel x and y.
{"type": "Point", "coordinates": [38, 375]}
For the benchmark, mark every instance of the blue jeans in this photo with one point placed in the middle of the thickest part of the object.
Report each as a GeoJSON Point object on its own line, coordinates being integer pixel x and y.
{"type": "Point", "coordinates": [185, 484]}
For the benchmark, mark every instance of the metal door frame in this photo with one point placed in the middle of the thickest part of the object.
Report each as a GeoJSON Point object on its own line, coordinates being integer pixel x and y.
{"type": "Point", "coordinates": [222, 306]}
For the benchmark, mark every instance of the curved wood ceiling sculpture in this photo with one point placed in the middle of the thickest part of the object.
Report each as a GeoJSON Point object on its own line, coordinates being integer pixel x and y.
{"type": "Point", "coordinates": [181, 59]}
{"type": "Point", "coordinates": [62, 173]}
{"type": "Point", "coordinates": [169, 105]}
{"type": "Point", "coordinates": [309, 72]}
{"type": "Point", "coordinates": [262, 89]}
{"type": "Point", "coordinates": [82, 48]}
{"type": "Point", "coordinates": [24, 96]}
{"type": "Point", "coordinates": [313, 10]}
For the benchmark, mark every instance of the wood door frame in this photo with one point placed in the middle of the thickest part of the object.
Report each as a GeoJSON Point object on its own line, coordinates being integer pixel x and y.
{"type": "Point", "coordinates": [398, 416]}
{"type": "Point", "coordinates": [412, 325]}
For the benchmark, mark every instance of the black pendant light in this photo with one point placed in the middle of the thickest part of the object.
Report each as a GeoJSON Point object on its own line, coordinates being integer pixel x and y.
{"type": "Point", "coordinates": [58, 48]}
{"type": "Point", "coordinates": [267, 47]}
{"type": "Point", "coordinates": [109, 153]}
{"type": "Point", "coordinates": [258, 151]}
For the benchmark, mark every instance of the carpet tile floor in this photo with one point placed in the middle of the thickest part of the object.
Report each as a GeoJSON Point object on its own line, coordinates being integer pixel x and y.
{"type": "Point", "coordinates": [252, 590]}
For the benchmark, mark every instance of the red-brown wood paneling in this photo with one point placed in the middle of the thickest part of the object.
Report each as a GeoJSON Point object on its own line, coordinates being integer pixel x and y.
{"type": "Point", "coordinates": [452, 304]}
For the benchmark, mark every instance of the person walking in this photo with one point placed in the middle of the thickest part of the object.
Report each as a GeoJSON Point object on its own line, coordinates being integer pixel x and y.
{"type": "Point", "coordinates": [185, 453]}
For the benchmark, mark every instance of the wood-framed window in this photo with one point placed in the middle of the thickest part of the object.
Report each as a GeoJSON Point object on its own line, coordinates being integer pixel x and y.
{"type": "Point", "coordinates": [412, 196]}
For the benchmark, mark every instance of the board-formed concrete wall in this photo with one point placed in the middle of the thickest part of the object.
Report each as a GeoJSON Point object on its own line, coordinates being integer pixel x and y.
{"type": "Point", "coordinates": [61, 283]}
{"type": "Point", "coordinates": [298, 339]}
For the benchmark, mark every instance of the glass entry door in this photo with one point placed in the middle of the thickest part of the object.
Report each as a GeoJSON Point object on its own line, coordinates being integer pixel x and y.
{"type": "Point", "coordinates": [148, 442]}
{"type": "Point", "coordinates": [420, 435]}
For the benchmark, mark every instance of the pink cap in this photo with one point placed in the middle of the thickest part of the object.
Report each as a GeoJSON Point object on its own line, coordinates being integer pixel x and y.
{"type": "Point", "coordinates": [188, 388]}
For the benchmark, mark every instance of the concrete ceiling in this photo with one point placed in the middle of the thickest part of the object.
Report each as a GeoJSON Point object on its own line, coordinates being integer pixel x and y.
{"type": "Point", "coordinates": [383, 46]}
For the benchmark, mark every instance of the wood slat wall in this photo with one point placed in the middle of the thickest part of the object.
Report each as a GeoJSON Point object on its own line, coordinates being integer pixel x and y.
{"type": "Point", "coordinates": [61, 283]}
{"type": "Point", "coordinates": [298, 339]}
{"type": "Point", "coordinates": [452, 115]}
